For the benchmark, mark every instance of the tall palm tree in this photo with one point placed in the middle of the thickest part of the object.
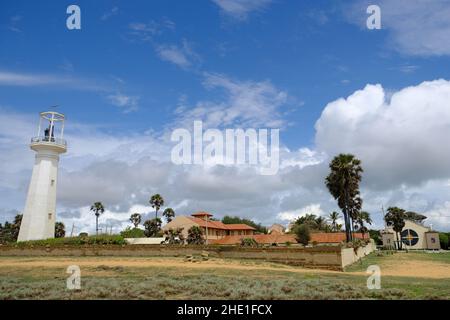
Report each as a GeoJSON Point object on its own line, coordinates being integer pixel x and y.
{"type": "Point", "coordinates": [395, 218]}
{"type": "Point", "coordinates": [169, 214]}
{"type": "Point", "coordinates": [334, 216]}
{"type": "Point", "coordinates": [343, 184]}
{"type": "Point", "coordinates": [98, 209]}
{"type": "Point", "coordinates": [362, 218]}
{"type": "Point", "coordinates": [156, 201]}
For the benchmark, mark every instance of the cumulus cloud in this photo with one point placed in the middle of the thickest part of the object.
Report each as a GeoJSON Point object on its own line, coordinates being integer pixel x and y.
{"type": "Point", "coordinates": [240, 9]}
{"type": "Point", "coordinates": [401, 140]}
{"type": "Point", "coordinates": [415, 27]}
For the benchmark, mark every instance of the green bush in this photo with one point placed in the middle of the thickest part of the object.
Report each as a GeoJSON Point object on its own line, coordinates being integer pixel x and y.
{"type": "Point", "coordinates": [302, 233]}
{"type": "Point", "coordinates": [76, 241]}
{"type": "Point", "coordinates": [444, 240]}
{"type": "Point", "coordinates": [249, 242]}
{"type": "Point", "coordinates": [133, 233]}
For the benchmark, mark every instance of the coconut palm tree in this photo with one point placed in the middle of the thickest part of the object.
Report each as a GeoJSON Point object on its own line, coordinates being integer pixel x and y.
{"type": "Point", "coordinates": [98, 209]}
{"type": "Point", "coordinates": [395, 218]}
{"type": "Point", "coordinates": [343, 184]}
{"type": "Point", "coordinates": [169, 214]}
{"type": "Point", "coordinates": [156, 201]}
{"type": "Point", "coordinates": [334, 216]}
{"type": "Point", "coordinates": [135, 219]}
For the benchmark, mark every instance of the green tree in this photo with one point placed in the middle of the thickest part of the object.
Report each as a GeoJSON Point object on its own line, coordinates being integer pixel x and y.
{"type": "Point", "coordinates": [395, 218]}
{"type": "Point", "coordinates": [343, 184]}
{"type": "Point", "coordinates": [195, 236]}
{"type": "Point", "coordinates": [361, 218]}
{"type": "Point", "coordinates": [98, 209]}
{"type": "Point", "coordinates": [152, 227]}
{"type": "Point", "coordinates": [174, 236]}
{"type": "Point", "coordinates": [156, 201]}
{"type": "Point", "coordinates": [169, 214]}
{"type": "Point", "coordinates": [132, 233]}
{"type": "Point", "coordinates": [334, 216]}
{"type": "Point", "coordinates": [60, 230]}
{"type": "Point", "coordinates": [10, 231]}
{"type": "Point", "coordinates": [135, 219]}
{"type": "Point", "coordinates": [302, 233]}
{"type": "Point", "coordinates": [236, 220]}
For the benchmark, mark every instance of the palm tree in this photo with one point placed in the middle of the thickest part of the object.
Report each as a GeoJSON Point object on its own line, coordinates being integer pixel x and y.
{"type": "Point", "coordinates": [363, 217]}
{"type": "Point", "coordinates": [343, 184]}
{"type": "Point", "coordinates": [395, 218]}
{"type": "Point", "coordinates": [334, 216]}
{"type": "Point", "coordinates": [321, 223]}
{"type": "Point", "coordinates": [156, 201]}
{"type": "Point", "coordinates": [98, 209]}
{"type": "Point", "coordinates": [169, 214]}
{"type": "Point", "coordinates": [135, 219]}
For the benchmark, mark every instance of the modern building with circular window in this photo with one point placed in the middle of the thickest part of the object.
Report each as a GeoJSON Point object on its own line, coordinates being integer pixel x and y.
{"type": "Point", "coordinates": [413, 236]}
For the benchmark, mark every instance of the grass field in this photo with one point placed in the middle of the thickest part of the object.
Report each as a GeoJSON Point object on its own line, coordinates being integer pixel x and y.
{"type": "Point", "coordinates": [403, 277]}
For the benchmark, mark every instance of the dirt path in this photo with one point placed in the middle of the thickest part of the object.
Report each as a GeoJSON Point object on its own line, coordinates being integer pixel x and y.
{"type": "Point", "coordinates": [412, 268]}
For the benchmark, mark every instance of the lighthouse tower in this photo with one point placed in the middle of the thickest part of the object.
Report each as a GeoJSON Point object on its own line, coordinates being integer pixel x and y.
{"type": "Point", "coordinates": [38, 220]}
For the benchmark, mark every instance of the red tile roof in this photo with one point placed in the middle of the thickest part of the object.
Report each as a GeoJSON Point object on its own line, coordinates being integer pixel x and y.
{"type": "Point", "coordinates": [202, 214]}
{"type": "Point", "coordinates": [220, 225]}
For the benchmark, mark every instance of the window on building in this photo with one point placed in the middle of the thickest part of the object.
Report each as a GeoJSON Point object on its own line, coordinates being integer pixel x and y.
{"type": "Point", "coordinates": [52, 182]}
{"type": "Point", "coordinates": [433, 240]}
{"type": "Point", "coordinates": [49, 216]}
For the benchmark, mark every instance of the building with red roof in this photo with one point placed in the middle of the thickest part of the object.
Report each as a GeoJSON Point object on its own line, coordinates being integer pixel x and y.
{"type": "Point", "coordinates": [214, 229]}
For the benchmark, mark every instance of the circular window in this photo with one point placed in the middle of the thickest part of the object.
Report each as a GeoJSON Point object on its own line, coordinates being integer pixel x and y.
{"type": "Point", "coordinates": [410, 237]}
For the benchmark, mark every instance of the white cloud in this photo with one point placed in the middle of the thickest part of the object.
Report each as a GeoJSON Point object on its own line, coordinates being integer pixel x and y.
{"type": "Point", "coordinates": [19, 79]}
{"type": "Point", "coordinates": [125, 102]}
{"type": "Point", "coordinates": [240, 9]}
{"type": "Point", "coordinates": [415, 27]}
{"type": "Point", "coordinates": [401, 141]}
{"type": "Point", "coordinates": [183, 56]}
{"type": "Point", "coordinates": [114, 11]}
{"type": "Point", "coordinates": [295, 214]}
{"type": "Point", "coordinates": [248, 104]}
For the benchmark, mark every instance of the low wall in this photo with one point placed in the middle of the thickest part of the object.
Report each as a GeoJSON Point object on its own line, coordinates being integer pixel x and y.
{"type": "Point", "coordinates": [326, 257]}
{"type": "Point", "coordinates": [144, 240]}
{"type": "Point", "coordinates": [349, 256]}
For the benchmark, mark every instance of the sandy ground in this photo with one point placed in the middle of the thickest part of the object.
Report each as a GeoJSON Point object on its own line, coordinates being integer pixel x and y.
{"type": "Point", "coordinates": [412, 268]}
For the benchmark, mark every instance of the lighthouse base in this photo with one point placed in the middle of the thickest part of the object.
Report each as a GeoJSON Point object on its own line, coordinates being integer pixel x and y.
{"type": "Point", "coordinates": [39, 215]}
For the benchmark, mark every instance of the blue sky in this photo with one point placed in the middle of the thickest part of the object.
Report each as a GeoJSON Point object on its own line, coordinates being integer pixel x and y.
{"type": "Point", "coordinates": [126, 73]}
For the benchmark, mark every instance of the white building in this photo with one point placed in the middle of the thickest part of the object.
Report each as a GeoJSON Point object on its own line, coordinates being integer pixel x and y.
{"type": "Point", "coordinates": [413, 236]}
{"type": "Point", "coordinates": [38, 220]}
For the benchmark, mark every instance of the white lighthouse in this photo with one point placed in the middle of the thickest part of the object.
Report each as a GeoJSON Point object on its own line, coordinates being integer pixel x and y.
{"type": "Point", "coordinates": [38, 220]}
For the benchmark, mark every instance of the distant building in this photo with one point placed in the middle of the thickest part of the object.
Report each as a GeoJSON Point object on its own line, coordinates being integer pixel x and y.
{"type": "Point", "coordinates": [277, 229]}
{"type": "Point", "coordinates": [216, 229]}
{"type": "Point", "coordinates": [413, 236]}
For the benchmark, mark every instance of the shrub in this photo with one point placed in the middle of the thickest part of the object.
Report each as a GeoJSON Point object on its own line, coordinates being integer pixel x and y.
{"type": "Point", "coordinates": [444, 240]}
{"type": "Point", "coordinates": [249, 242]}
{"type": "Point", "coordinates": [133, 233]}
{"type": "Point", "coordinates": [302, 233]}
{"type": "Point", "coordinates": [75, 241]}
{"type": "Point", "coordinates": [195, 236]}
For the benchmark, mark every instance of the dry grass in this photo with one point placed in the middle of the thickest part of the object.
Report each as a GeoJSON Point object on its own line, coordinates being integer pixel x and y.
{"type": "Point", "coordinates": [171, 278]}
